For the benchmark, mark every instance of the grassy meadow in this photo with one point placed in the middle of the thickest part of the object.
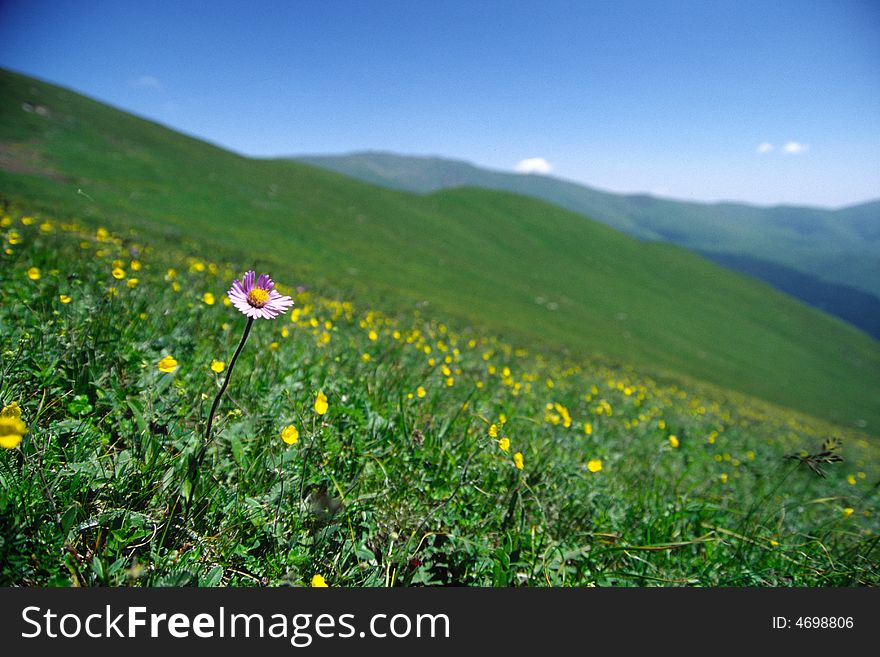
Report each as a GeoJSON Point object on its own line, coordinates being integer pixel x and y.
{"type": "Point", "coordinates": [365, 445]}
{"type": "Point", "coordinates": [522, 268]}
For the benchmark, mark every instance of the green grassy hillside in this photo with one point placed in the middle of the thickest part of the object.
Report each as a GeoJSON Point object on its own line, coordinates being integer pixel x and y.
{"type": "Point", "coordinates": [354, 447]}
{"type": "Point", "coordinates": [837, 246]}
{"type": "Point", "coordinates": [530, 270]}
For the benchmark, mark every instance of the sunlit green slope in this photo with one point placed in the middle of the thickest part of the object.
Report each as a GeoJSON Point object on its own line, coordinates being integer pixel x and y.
{"type": "Point", "coordinates": [513, 264]}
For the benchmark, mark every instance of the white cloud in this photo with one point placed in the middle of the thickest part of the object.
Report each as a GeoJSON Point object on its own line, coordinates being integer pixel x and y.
{"type": "Point", "coordinates": [533, 165]}
{"type": "Point", "coordinates": [794, 148]}
{"type": "Point", "coordinates": [764, 147]}
{"type": "Point", "coordinates": [147, 82]}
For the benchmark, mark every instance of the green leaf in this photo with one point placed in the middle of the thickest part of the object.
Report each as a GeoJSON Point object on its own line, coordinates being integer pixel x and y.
{"type": "Point", "coordinates": [138, 417]}
{"type": "Point", "coordinates": [238, 451]}
{"type": "Point", "coordinates": [68, 518]}
{"type": "Point", "coordinates": [213, 578]}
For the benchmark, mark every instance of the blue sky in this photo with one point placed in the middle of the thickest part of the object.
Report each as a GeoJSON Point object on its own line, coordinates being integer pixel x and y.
{"type": "Point", "coordinates": [764, 102]}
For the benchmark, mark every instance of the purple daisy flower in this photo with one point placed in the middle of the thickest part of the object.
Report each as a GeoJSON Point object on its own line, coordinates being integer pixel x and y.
{"type": "Point", "coordinates": [258, 298]}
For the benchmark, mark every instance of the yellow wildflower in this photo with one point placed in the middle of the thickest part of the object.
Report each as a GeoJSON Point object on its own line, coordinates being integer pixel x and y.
{"type": "Point", "coordinates": [167, 364]}
{"type": "Point", "coordinates": [33, 273]}
{"type": "Point", "coordinates": [118, 273]}
{"type": "Point", "coordinates": [11, 431]}
{"type": "Point", "coordinates": [673, 442]}
{"type": "Point", "coordinates": [321, 405]}
{"type": "Point", "coordinates": [504, 444]}
{"type": "Point", "coordinates": [319, 582]}
{"type": "Point", "coordinates": [518, 461]}
{"type": "Point", "coordinates": [208, 298]}
{"type": "Point", "coordinates": [290, 435]}
{"type": "Point", "coordinates": [63, 298]}
{"type": "Point", "coordinates": [217, 365]}
{"type": "Point", "coordinates": [11, 410]}
{"type": "Point", "coordinates": [594, 465]}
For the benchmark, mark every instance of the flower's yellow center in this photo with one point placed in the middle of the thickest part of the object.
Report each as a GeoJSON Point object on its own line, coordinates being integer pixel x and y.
{"type": "Point", "coordinates": [258, 297]}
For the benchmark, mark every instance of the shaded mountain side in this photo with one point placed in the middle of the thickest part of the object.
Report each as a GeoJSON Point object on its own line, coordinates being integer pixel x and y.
{"type": "Point", "coordinates": [854, 306]}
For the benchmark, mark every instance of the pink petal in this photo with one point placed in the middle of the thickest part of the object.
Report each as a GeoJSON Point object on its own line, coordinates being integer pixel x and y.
{"type": "Point", "coordinates": [265, 283]}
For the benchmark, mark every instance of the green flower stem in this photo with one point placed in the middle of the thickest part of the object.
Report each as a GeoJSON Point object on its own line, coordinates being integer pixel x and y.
{"type": "Point", "coordinates": [197, 463]}
{"type": "Point", "coordinates": [244, 337]}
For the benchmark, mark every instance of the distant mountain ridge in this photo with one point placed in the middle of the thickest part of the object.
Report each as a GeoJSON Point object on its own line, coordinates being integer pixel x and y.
{"type": "Point", "coordinates": [819, 246]}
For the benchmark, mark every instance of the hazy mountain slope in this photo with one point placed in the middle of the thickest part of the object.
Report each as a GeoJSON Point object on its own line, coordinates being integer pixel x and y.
{"type": "Point", "coordinates": [854, 306]}
{"type": "Point", "coordinates": [838, 246]}
{"type": "Point", "coordinates": [535, 272]}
